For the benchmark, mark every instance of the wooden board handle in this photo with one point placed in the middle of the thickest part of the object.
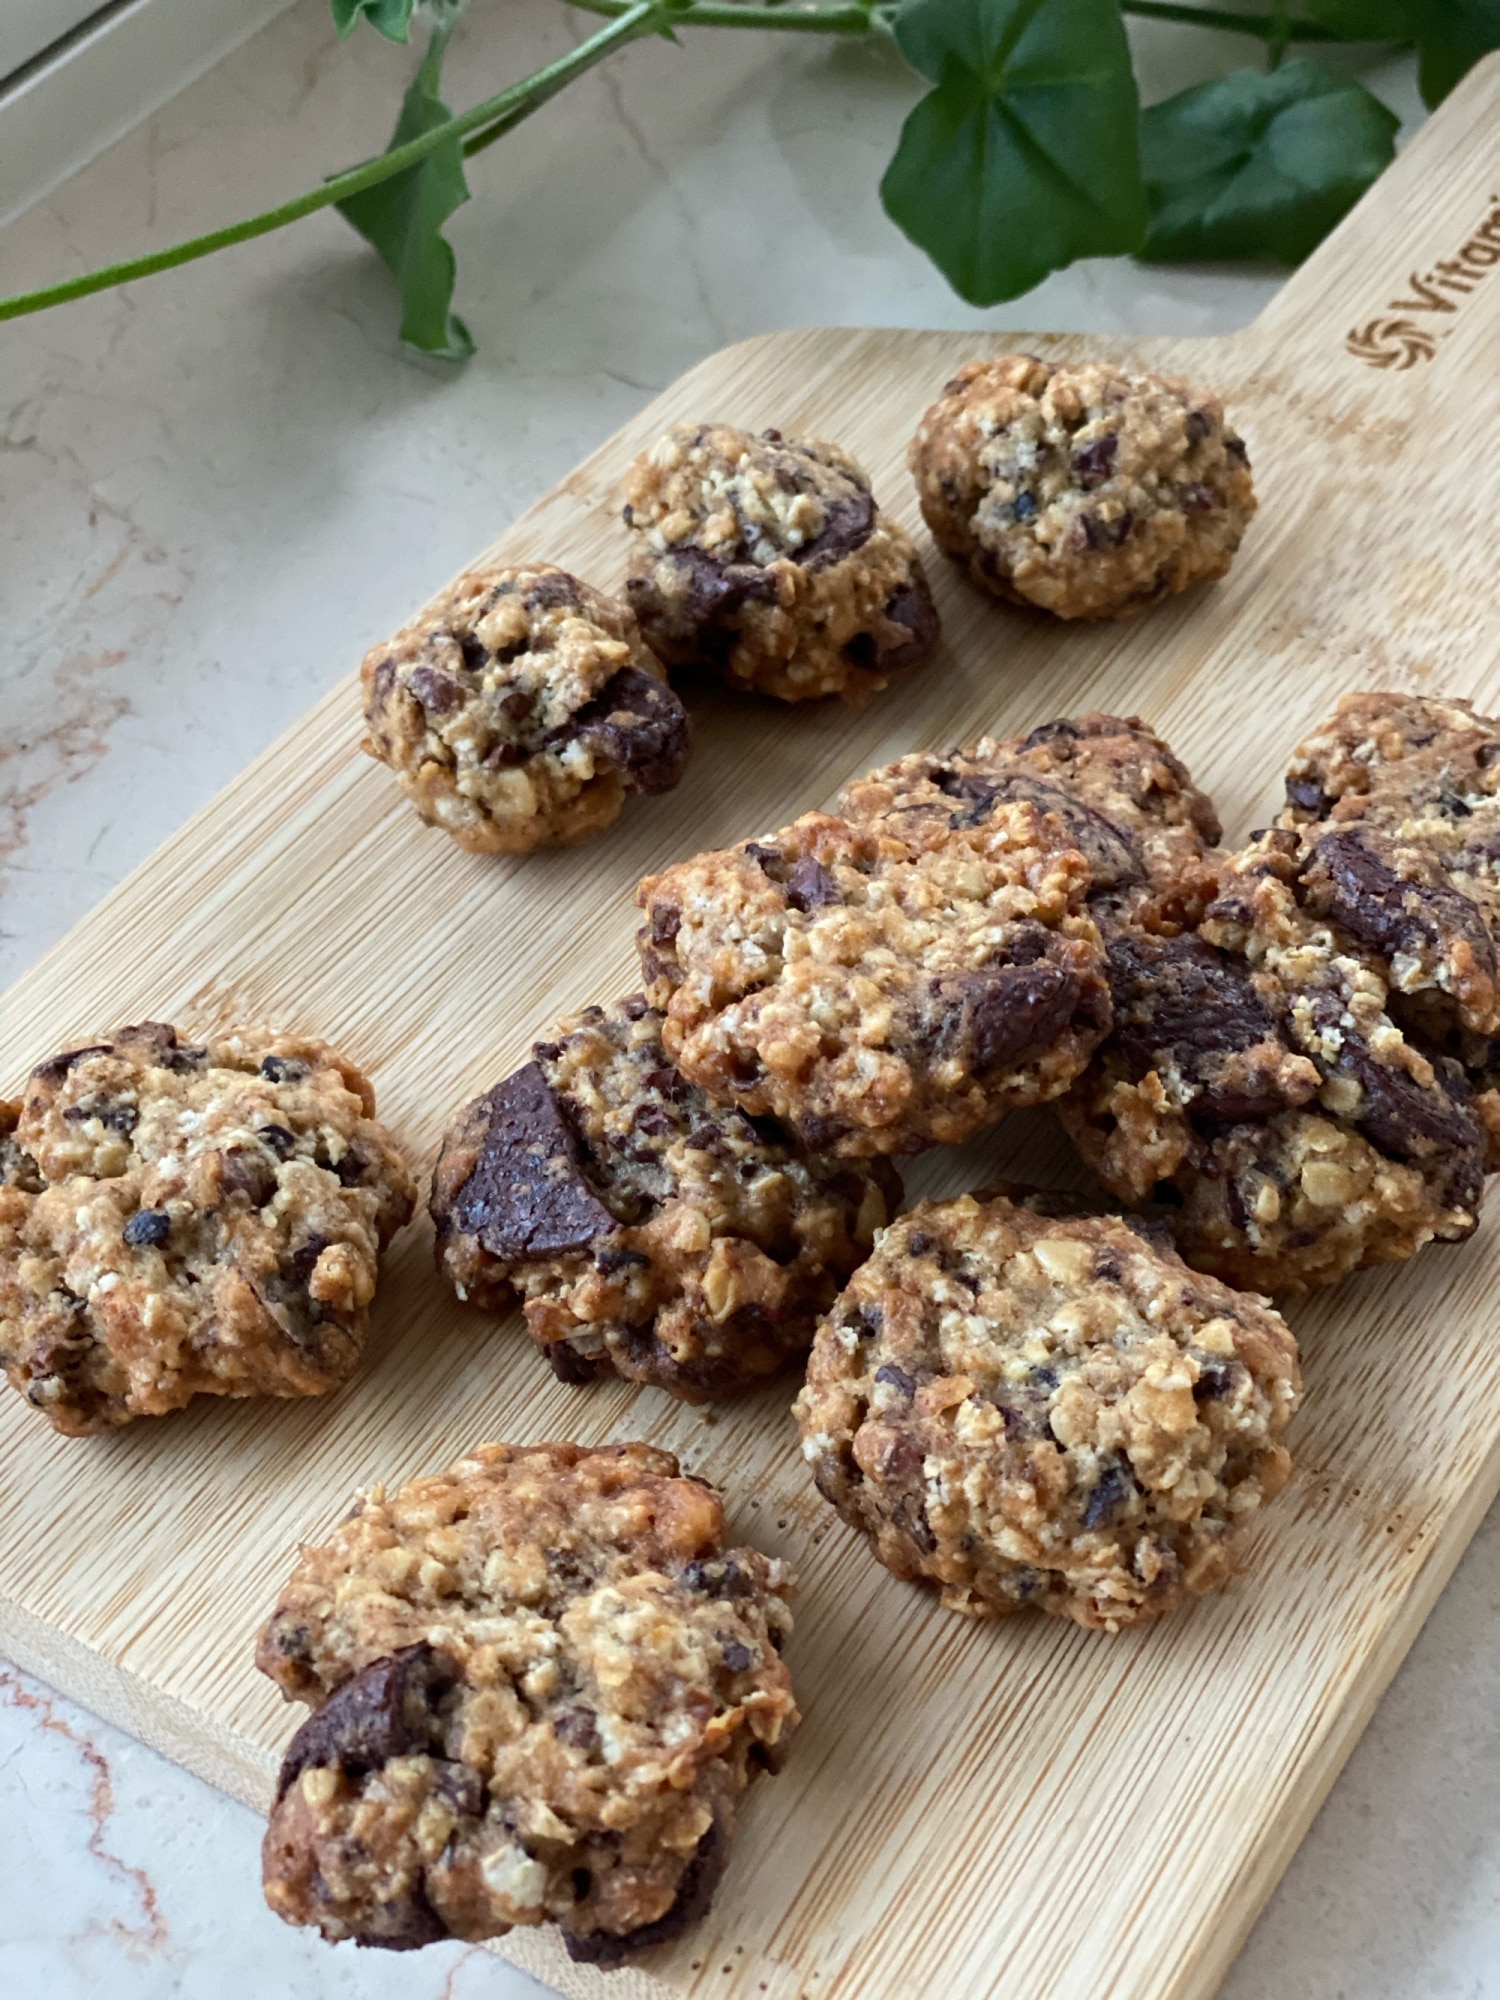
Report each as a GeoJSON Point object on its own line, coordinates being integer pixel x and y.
{"type": "Point", "coordinates": [1416, 264]}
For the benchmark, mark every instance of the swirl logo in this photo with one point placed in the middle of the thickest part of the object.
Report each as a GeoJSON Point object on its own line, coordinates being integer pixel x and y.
{"type": "Point", "coordinates": [1391, 343]}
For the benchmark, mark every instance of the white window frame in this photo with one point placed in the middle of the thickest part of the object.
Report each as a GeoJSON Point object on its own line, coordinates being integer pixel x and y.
{"type": "Point", "coordinates": [27, 27]}
{"type": "Point", "coordinates": [104, 77]}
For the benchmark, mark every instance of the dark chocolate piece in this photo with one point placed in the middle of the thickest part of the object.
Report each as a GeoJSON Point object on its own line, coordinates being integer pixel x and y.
{"type": "Point", "coordinates": [527, 1195]}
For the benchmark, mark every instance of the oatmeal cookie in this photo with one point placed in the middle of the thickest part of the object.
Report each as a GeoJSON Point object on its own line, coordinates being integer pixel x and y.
{"type": "Point", "coordinates": [1423, 768]}
{"type": "Point", "coordinates": [647, 1231]}
{"type": "Point", "coordinates": [540, 1683]}
{"type": "Point", "coordinates": [767, 558]}
{"type": "Point", "coordinates": [1028, 1408]}
{"type": "Point", "coordinates": [190, 1219]}
{"type": "Point", "coordinates": [875, 992]}
{"type": "Point", "coordinates": [1122, 797]}
{"type": "Point", "coordinates": [1079, 487]}
{"type": "Point", "coordinates": [520, 708]}
{"type": "Point", "coordinates": [1258, 1093]}
{"type": "Point", "coordinates": [1424, 774]}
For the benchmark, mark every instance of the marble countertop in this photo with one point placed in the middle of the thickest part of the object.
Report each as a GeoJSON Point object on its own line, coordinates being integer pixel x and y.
{"type": "Point", "coordinates": [218, 487]}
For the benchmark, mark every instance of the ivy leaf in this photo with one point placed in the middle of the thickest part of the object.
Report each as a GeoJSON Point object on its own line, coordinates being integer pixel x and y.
{"type": "Point", "coordinates": [403, 217]}
{"type": "Point", "coordinates": [1025, 156]}
{"type": "Point", "coordinates": [1369, 20]}
{"type": "Point", "coordinates": [1451, 37]}
{"type": "Point", "coordinates": [1260, 165]}
{"type": "Point", "coordinates": [391, 17]}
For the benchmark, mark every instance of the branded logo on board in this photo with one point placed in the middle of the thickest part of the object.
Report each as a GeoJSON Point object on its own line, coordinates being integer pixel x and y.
{"type": "Point", "coordinates": [1419, 321]}
{"type": "Point", "coordinates": [1391, 343]}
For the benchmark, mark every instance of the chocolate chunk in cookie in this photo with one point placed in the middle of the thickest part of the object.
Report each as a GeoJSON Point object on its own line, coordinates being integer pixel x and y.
{"type": "Point", "coordinates": [940, 976]}
{"type": "Point", "coordinates": [526, 1195]}
{"type": "Point", "coordinates": [1079, 487]}
{"type": "Point", "coordinates": [767, 559]}
{"type": "Point", "coordinates": [1119, 793]}
{"type": "Point", "coordinates": [1423, 774]}
{"type": "Point", "coordinates": [637, 725]}
{"type": "Point", "coordinates": [539, 1685]}
{"type": "Point", "coordinates": [646, 1230]}
{"type": "Point", "coordinates": [383, 1712]}
{"type": "Point", "coordinates": [1193, 1013]}
{"type": "Point", "coordinates": [1396, 898]}
{"type": "Point", "coordinates": [181, 1220]}
{"type": "Point", "coordinates": [1028, 1408]}
{"type": "Point", "coordinates": [521, 708]}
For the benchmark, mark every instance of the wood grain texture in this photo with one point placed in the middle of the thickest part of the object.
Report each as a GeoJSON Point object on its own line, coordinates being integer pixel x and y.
{"type": "Point", "coordinates": [1021, 1809]}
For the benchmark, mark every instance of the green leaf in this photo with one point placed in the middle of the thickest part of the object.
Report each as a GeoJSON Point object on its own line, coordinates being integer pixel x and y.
{"type": "Point", "coordinates": [1451, 37]}
{"type": "Point", "coordinates": [391, 17]}
{"type": "Point", "coordinates": [1260, 165]}
{"type": "Point", "coordinates": [1025, 156]}
{"type": "Point", "coordinates": [404, 216]}
{"type": "Point", "coordinates": [1369, 20]}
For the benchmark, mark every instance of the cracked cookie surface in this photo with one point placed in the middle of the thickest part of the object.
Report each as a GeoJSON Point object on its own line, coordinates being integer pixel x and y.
{"type": "Point", "coordinates": [540, 1683]}
{"type": "Point", "coordinates": [1258, 1093]}
{"type": "Point", "coordinates": [1081, 488]}
{"type": "Point", "coordinates": [1123, 798]}
{"type": "Point", "coordinates": [1028, 1408]}
{"type": "Point", "coordinates": [767, 559]}
{"type": "Point", "coordinates": [646, 1230]}
{"type": "Point", "coordinates": [879, 993]}
{"type": "Point", "coordinates": [1423, 775]}
{"type": "Point", "coordinates": [521, 708]}
{"type": "Point", "coordinates": [190, 1219]}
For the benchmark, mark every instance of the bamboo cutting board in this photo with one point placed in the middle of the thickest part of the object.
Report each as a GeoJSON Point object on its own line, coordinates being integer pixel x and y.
{"type": "Point", "coordinates": [1021, 1809]}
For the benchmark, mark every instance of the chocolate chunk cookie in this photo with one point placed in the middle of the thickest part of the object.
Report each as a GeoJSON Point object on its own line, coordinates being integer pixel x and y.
{"type": "Point", "coordinates": [189, 1219]}
{"type": "Point", "coordinates": [539, 1685]}
{"type": "Point", "coordinates": [767, 559]}
{"type": "Point", "coordinates": [1081, 488]}
{"type": "Point", "coordinates": [1033, 1409]}
{"type": "Point", "coordinates": [878, 990]}
{"type": "Point", "coordinates": [1122, 797]}
{"type": "Point", "coordinates": [1259, 1094]}
{"type": "Point", "coordinates": [1422, 768]}
{"type": "Point", "coordinates": [1424, 773]}
{"type": "Point", "coordinates": [646, 1229]}
{"type": "Point", "coordinates": [521, 708]}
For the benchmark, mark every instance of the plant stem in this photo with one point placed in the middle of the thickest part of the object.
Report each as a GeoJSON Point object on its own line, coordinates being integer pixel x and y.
{"type": "Point", "coordinates": [1264, 27]}
{"type": "Point", "coordinates": [1276, 46]}
{"type": "Point", "coordinates": [485, 121]}
{"type": "Point", "coordinates": [849, 20]}
{"type": "Point", "coordinates": [628, 21]}
{"type": "Point", "coordinates": [852, 20]}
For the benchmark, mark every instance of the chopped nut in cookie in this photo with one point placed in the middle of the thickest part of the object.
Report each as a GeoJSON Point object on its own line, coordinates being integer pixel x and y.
{"type": "Point", "coordinates": [1079, 487]}
{"type": "Point", "coordinates": [182, 1219]}
{"type": "Point", "coordinates": [1030, 1408]}
{"type": "Point", "coordinates": [540, 1684]}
